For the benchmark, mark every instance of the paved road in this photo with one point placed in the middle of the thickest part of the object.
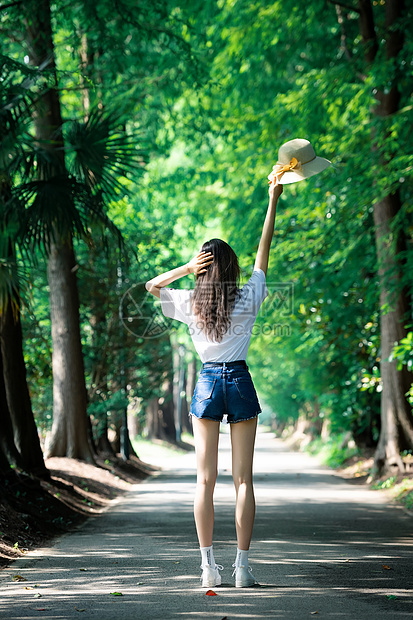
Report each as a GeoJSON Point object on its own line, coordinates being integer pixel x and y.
{"type": "Point", "coordinates": [319, 547]}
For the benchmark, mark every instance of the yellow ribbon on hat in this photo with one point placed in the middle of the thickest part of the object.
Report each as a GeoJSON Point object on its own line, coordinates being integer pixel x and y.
{"type": "Point", "coordinates": [287, 167]}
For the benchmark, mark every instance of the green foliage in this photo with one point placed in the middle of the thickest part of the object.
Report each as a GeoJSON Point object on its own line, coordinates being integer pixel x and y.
{"type": "Point", "coordinates": [205, 93]}
{"type": "Point", "coordinates": [16, 99]}
{"type": "Point", "coordinates": [388, 483]}
{"type": "Point", "coordinates": [37, 345]}
{"type": "Point", "coordinates": [401, 490]}
{"type": "Point", "coordinates": [103, 153]}
{"type": "Point", "coordinates": [332, 452]}
{"type": "Point", "coordinates": [405, 493]}
{"type": "Point", "coordinates": [272, 81]}
{"type": "Point", "coordinates": [403, 352]}
{"type": "Point", "coordinates": [113, 403]}
{"type": "Point", "coordinates": [105, 156]}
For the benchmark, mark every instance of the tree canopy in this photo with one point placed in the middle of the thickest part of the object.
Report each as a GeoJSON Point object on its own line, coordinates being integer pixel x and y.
{"type": "Point", "coordinates": [171, 116]}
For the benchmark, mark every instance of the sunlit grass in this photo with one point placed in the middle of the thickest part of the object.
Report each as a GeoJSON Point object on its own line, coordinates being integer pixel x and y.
{"type": "Point", "coordinates": [331, 451]}
{"type": "Point", "coordinates": [402, 491]}
{"type": "Point", "coordinates": [388, 483]}
{"type": "Point", "coordinates": [153, 451]}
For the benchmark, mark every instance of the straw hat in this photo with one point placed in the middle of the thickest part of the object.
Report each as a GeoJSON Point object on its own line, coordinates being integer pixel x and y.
{"type": "Point", "coordinates": [297, 161]}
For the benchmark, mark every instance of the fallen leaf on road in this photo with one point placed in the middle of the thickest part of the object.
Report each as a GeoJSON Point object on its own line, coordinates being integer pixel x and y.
{"type": "Point", "coordinates": [211, 593]}
{"type": "Point", "coordinates": [80, 609]}
{"type": "Point", "coordinates": [85, 569]}
{"type": "Point", "coordinates": [40, 609]}
{"type": "Point", "coordinates": [28, 588]}
{"type": "Point", "coordinates": [18, 578]}
{"type": "Point", "coordinates": [386, 567]}
{"type": "Point", "coordinates": [116, 594]}
{"type": "Point", "coordinates": [391, 597]}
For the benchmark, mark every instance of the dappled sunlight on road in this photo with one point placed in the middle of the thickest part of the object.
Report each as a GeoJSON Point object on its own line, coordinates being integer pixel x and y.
{"type": "Point", "coordinates": [320, 545]}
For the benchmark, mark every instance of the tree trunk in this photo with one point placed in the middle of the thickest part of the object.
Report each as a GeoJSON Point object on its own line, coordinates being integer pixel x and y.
{"type": "Point", "coordinates": [26, 438]}
{"type": "Point", "coordinates": [185, 423]}
{"type": "Point", "coordinates": [69, 436]}
{"type": "Point", "coordinates": [19, 441]}
{"type": "Point", "coordinates": [104, 447]}
{"type": "Point", "coordinates": [152, 418]}
{"type": "Point", "coordinates": [115, 431]}
{"type": "Point", "coordinates": [167, 429]}
{"type": "Point", "coordinates": [160, 419]}
{"type": "Point", "coordinates": [98, 373]}
{"type": "Point", "coordinates": [191, 380]}
{"type": "Point", "coordinates": [5, 468]}
{"type": "Point", "coordinates": [8, 450]}
{"type": "Point", "coordinates": [395, 411]}
{"type": "Point", "coordinates": [134, 419]}
{"type": "Point", "coordinates": [179, 380]}
{"type": "Point", "coordinates": [70, 433]}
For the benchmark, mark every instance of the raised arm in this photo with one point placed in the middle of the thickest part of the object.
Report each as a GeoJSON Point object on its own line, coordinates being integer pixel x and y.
{"type": "Point", "coordinates": [196, 265]}
{"type": "Point", "coordinates": [263, 252]}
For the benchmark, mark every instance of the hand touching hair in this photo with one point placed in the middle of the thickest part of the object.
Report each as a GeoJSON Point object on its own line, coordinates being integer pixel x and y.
{"type": "Point", "coordinates": [200, 263]}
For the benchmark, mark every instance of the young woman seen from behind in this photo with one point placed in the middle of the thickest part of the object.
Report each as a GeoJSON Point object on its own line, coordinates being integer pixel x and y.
{"type": "Point", "coordinates": [220, 317]}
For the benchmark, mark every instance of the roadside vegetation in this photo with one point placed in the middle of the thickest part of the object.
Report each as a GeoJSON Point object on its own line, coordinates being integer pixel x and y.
{"type": "Point", "coordinates": [355, 464]}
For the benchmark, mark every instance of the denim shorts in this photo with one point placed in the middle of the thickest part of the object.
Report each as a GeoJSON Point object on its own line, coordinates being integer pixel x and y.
{"type": "Point", "coordinates": [225, 389]}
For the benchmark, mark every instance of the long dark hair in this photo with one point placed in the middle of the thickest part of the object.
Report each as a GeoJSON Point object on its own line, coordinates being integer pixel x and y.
{"type": "Point", "coordinates": [216, 290]}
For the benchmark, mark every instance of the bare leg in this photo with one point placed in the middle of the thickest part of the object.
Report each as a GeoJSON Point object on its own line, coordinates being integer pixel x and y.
{"type": "Point", "coordinates": [206, 435]}
{"type": "Point", "coordinates": [243, 441]}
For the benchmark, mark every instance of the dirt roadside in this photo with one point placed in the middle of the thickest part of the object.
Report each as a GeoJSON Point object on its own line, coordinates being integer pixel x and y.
{"type": "Point", "coordinates": [34, 511]}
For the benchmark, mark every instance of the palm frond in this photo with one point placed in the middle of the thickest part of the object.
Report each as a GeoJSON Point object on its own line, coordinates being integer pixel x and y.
{"type": "Point", "coordinates": [21, 87]}
{"type": "Point", "coordinates": [97, 216]}
{"type": "Point", "coordinates": [8, 282]}
{"type": "Point", "coordinates": [58, 208]}
{"type": "Point", "coordinates": [39, 159]}
{"type": "Point", "coordinates": [103, 152]}
{"type": "Point", "coordinates": [15, 102]}
{"type": "Point", "coordinates": [15, 94]}
{"type": "Point", "coordinates": [12, 277]}
{"type": "Point", "coordinates": [51, 210]}
{"type": "Point", "coordinates": [48, 203]}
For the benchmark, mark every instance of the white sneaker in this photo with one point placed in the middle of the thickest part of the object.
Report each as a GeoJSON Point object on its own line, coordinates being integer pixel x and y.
{"type": "Point", "coordinates": [210, 576]}
{"type": "Point", "coordinates": [243, 577]}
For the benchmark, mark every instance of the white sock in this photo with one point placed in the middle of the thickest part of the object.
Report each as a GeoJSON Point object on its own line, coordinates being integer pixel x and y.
{"type": "Point", "coordinates": [207, 556]}
{"type": "Point", "coordinates": [242, 558]}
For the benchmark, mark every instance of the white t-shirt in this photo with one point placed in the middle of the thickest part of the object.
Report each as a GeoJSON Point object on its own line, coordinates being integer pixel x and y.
{"type": "Point", "coordinates": [176, 304]}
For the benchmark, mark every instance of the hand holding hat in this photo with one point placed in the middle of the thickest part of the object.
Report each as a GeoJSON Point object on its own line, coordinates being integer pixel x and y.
{"type": "Point", "coordinates": [296, 162]}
